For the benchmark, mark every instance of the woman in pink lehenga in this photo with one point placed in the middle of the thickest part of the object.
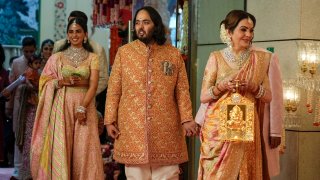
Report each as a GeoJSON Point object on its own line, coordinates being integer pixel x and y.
{"type": "Point", "coordinates": [220, 159]}
{"type": "Point", "coordinates": [65, 142]}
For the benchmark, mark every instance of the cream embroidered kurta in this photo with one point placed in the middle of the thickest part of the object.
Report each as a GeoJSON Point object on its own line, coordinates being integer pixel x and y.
{"type": "Point", "coordinates": [148, 99]}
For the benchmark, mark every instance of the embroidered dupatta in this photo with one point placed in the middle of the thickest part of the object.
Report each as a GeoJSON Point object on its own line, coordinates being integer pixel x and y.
{"type": "Point", "coordinates": [48, 146]}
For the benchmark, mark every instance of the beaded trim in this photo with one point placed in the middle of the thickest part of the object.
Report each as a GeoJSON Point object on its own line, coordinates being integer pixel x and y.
{"type": "Point", "coordinates": [261, 92]}
{"type": "Point", "coordinates": [239, 61]}
{"type": "Point", "coordinates": [76, 55]}
{"type": "Point", "coordinates": [212, 94]}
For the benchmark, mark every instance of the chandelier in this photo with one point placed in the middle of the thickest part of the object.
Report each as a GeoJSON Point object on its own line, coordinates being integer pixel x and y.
{"type": "Point", "coordinates": [307, 82]}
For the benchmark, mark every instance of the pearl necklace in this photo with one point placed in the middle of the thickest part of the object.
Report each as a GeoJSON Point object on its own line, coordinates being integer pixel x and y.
{"type": "Point", "coordinates": [76, 55]}
{"type": "Point", "coordinates": [240, 60]}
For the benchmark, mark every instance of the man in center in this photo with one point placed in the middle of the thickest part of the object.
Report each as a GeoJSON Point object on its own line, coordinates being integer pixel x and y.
{"type": "Point", "coordinates": [148, 109]}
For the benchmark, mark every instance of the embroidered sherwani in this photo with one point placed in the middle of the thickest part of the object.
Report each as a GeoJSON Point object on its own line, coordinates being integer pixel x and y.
{"type": "Point", "coordinates": [148, 99]}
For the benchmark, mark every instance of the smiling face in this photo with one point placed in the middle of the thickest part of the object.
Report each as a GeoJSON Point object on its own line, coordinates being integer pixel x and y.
{"type": "Point", "coordinates": [243, 34]}
{"type": "Point", "coordinates": [144, 27]}
{"type": "Point", "coordinates": [76, 35]}
{"type": "Point", "coordinates": [47, 50]}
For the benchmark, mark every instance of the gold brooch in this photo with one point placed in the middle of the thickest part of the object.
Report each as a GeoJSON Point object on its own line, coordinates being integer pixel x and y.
{"type": "Point", "coordinates": [236, 116]}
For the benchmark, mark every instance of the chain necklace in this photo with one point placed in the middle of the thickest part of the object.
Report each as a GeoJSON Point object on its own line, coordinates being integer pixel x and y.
{"type": "Point", "coordinates": [76, 55]}
{"type": "Point", "coordinates": [240, 60]}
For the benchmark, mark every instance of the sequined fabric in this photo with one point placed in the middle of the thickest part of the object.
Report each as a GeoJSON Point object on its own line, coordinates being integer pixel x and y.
{"type": "Point", "coordinates": [230, 160]}
{"type": "Point", "coordinates": [148, 98]}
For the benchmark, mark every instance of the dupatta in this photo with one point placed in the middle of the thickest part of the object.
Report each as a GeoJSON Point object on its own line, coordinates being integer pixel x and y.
{"type": "Point", "coordinates": [48, 146]}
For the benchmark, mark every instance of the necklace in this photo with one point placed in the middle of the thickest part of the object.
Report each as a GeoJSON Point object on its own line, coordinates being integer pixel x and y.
{"type": "Point", "coordinates": [76, 55]}
{"type": "Point", "coordinates": [240, 60]}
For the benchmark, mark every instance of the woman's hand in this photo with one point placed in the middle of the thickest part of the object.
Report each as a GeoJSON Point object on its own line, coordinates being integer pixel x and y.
{"type": "Point", "coordinates": [81, 118]}
{"type": "Point", "coordinates": [226, 85]}
{"type": "Point", "coordinates": [248, 86]}
{"type": "Point", "coordinates": [74, 80]}
{"type": "Point", "coordinates": [71, 81]}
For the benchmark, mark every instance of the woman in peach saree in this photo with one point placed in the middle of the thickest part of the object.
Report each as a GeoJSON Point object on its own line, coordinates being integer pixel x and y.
{"type": "Point", "coordinates": [65, 141]}
{"type": "Point", "coordinates": [220, 159]}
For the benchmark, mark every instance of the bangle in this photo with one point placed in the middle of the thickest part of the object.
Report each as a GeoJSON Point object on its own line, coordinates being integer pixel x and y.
{"type": "Point", "coordinates": [81, 109]}
{"type": "Point", "coordinates": [212, 94]}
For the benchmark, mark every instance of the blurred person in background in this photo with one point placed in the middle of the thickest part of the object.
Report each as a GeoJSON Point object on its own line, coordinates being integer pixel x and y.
{"type": "Point", "coordinates": [46, 51]}
{"type": "Point", "coordinates": [4, 81]}
{"type": "Point", "coordinates": [19, 65]}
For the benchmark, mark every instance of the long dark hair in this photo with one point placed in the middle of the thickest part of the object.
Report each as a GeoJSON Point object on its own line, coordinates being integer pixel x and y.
{"type": "Point", "coordinates": [159, 34]}
{"type": "Point", "coordinates": [82, 23]}
{"type": "Point", "coordinates": [234, 17]}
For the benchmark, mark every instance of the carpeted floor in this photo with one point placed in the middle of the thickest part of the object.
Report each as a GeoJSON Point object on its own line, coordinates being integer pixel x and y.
{"type": "Point", "coordinates": [5, 173]}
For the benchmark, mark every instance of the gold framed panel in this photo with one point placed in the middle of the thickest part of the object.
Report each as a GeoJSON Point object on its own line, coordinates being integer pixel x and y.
{"type": "Point", "coordinates": [236, 116]}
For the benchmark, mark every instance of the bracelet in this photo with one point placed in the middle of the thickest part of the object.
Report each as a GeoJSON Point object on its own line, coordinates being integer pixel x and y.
{"type": "Point", "coordinates": [212, 94]}
{"type": "Point", "coordinates": [261, 92]}
{"type": "Point", "coordinates": [81, 109]}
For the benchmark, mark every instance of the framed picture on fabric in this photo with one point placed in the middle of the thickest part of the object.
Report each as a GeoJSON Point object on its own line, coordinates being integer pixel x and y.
{"type": "Point", "coordinates": [18, 19]}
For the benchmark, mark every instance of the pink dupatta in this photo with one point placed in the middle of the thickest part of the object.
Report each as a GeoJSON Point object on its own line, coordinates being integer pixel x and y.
{"type": "Point", "coordinates": [48, 147]}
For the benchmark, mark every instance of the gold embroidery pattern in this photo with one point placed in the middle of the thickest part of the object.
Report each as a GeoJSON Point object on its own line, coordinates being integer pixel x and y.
{"type": "Point", "coordinates": [148, 106]}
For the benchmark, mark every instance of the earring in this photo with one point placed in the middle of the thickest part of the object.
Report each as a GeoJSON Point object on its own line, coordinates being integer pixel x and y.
{"type": "Point", "coordinates": [85, 40]}
{"type": "Point", "coordinates": [68, 41]}
{"type": "Point", "coordinates": [229, 42]}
